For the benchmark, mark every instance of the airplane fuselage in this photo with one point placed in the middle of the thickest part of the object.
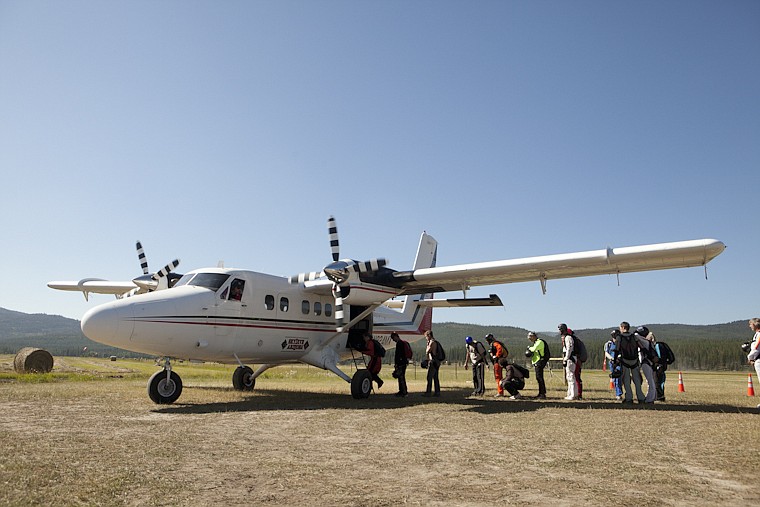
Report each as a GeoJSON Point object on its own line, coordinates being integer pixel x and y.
{"type": "Point", "coordinates": [267, 320]}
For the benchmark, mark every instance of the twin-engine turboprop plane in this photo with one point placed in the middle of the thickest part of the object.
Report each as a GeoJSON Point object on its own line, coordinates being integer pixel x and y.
{"type": "Point", "coordinates": [237, 317]}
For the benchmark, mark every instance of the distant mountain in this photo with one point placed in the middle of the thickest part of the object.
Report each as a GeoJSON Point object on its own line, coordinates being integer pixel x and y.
{"type": "Point", "coordinates": [714, 346]}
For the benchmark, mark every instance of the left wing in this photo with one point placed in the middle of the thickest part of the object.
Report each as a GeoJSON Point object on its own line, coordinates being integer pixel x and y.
{"type": "Point", "coordinates": [680, 254]}
{"type": "Point", "coordinates": [94, 285]}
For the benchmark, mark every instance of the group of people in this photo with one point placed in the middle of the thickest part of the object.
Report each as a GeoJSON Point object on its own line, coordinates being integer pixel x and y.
{"type": "Point", "coordinates": [631, 356]}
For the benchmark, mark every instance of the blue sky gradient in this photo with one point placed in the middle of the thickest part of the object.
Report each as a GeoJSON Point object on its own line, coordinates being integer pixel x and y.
{"type": "Point", "coordinates": [232, 130]}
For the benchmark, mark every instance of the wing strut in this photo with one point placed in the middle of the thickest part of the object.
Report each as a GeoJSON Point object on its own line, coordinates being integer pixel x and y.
{"type": "Point", "coordinates": [542, 279]}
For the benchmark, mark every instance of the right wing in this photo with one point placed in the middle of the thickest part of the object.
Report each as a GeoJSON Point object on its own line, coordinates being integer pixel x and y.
{"type": "Point", "coordinates": [679, 254]}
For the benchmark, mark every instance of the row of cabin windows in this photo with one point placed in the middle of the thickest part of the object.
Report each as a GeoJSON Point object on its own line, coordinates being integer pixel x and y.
{"type": "Point", "coordinates": [306, 307]}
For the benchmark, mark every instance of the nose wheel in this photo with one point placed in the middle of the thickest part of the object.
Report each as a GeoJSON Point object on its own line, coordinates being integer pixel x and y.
{"type": "Point", "coordinates": [164, 387]}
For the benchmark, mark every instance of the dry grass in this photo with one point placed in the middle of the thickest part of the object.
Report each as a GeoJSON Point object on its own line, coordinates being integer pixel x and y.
{"type": "Point", "coordinates": [90, 436]}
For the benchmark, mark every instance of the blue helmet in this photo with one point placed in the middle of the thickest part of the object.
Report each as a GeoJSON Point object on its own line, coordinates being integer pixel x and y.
{"type": "Point", "coordinates": [468, 340]}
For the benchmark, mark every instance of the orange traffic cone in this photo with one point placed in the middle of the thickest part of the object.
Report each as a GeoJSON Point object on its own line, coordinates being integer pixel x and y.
{"type": "Point", "coordinates": [750, 389]}
{"type": "Point", "coordinates": [612, 384]}
{"type": "Point", "coordinates": [680, 383]}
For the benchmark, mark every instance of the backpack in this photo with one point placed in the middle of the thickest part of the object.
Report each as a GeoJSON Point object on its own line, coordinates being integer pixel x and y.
{"type": "Point", "coordinates": [524, 371]}
{"type": "Point", "coordinates": [579, 349]}
{"type": "Point", "coordinates": [408, 350]}
{"type": "Point", "coordinates": [651, 354]}
{"type": "Point", "coordinates": [666, 354]}
{"type": "Point", "coordinates": [440, 354]}
{"type": "Point", "coordinates": [628, 347]}
{"type": "Point", "coordinates": [504, 350]}
{"type": "Point", "coordinates": [379, 349]}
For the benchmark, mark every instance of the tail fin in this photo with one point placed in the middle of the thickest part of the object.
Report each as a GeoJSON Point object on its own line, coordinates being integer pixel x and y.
{"type": "Point", "coordinates": [427, 253]}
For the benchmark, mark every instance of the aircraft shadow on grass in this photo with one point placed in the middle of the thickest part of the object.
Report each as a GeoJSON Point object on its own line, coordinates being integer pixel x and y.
{"type": "Point", "coordinates": [264, 400]}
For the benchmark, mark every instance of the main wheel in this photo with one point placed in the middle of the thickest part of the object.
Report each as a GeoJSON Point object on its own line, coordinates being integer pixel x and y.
{"type": "Point", "coordinates": [361, 384]}
{"type": "Point", "coordinates": [242, 379]}
{"type": "Point", "coordinates": [163, 390]}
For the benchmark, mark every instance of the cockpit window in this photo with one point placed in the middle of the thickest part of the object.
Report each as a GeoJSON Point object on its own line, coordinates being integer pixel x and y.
{"type": "Point", "coordinates": [208, 280]}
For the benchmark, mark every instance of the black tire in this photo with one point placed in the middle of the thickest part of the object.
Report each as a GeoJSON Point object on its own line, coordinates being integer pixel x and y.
{"type": "Point", "coordinates": [162, 390]}
{"type": "Point", "coordinates": [242, 379]}
{"type": "Point", "coordinates": [361, 384]}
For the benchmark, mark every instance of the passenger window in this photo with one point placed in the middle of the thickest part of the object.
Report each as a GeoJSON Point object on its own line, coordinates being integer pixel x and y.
{"type": "Point", "coordinates": [317, 308]}
{"type": "Point", "coordinates": [269, 302]}
{"type": "Point", "coordinates": [305, 307]}
{"type": "Point", "coordinates": [328, 310]}
{"type": "Point", "coordinates": [284, 303]}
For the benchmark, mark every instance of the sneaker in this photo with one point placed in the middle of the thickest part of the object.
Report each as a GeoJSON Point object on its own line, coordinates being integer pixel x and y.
{"type": "Point", "coordinates": [570, 398]}
{"type": "Point", "coordinates": [498, 395]}
{"type": "Point", "coordinates": [515, 397]}
{"type": "Point", "coordinates": [627, 402]}
{"type": "Point", "coordinates": [380, 384]}
{"type": "Point", "coordinates": [541, 397]}
{"type": "Point", "coordinates": [618, 398]}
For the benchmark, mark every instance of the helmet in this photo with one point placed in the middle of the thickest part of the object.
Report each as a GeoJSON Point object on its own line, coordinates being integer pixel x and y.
{"type": "Point", "coordinates": [468, 340]}
{"type": "Point", "coordinates": [562, 328]}
{"type": "Point", "coordinates": [642, 331]}
{"type": "Point", "coordinates": [532, 334]}
{"type": "Point", "coordinates": [489, 338]}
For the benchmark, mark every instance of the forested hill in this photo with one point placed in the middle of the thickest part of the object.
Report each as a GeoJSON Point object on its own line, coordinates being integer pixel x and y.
{"type": "Point", "coordinates": [713, 347]}
{"type": "Point", "coordinates": [58, 335]}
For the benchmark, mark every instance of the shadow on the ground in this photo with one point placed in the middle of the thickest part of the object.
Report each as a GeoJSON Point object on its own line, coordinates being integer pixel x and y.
{"type": "Point", "coordinates": [272, 399]}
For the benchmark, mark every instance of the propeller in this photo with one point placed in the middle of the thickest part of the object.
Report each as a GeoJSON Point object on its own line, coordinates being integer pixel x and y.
{"type": "Point", "coordinates": [150, 281]}
{"type": "Point", "coordinates": [339, 271]}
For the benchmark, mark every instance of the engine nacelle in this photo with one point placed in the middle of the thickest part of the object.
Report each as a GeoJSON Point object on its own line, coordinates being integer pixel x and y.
{"type": "Point", "coordinates": [363, 294]}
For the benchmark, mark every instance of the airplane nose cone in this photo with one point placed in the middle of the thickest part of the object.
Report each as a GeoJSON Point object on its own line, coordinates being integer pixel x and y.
{"type": "Point", "coordinates": [109, 324]}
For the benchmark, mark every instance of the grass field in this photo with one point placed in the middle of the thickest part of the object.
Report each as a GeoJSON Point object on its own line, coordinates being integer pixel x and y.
{"type": "Point", "coordinates": [87, 434]}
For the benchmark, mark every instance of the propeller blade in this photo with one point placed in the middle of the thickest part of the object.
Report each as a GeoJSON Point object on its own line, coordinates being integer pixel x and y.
{"type": "Point", "coordinates": [368, 266]}
{"type": "Point", "coordinates": [332, 228]}
{"type": "Point", "coordinates": [141, 257]}
{"type": "Point", "coordinates": [338, 293]}
{"type": "Point", "coordinates": [166, 269]}
{"type": "Point", "coordinates": [305, 277]}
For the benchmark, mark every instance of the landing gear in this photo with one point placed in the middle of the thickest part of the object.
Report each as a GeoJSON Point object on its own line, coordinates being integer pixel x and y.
{"type": "Point", "coordinates": [164, 386]}
{"type": "Point", "coordinates": [242, 379]}
{"type": "Point", "coordinates": [361, 384]}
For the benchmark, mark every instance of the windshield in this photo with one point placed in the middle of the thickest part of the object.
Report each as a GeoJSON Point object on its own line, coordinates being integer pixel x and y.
{"type": "Point", "coordinates": [208, 280]}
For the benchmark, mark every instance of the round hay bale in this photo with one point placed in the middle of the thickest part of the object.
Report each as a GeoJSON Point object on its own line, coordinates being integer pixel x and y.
{"type": "Point", "coordinates": [33, 360]}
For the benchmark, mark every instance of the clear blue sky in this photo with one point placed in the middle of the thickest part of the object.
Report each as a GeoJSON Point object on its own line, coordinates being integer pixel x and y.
{"type": "Point", "coordinates": [232, 130]}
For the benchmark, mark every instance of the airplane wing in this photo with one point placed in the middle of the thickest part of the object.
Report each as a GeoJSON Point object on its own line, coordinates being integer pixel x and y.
{"type": "Point", "coordinates": [597, 262]}
{"type": "Point", "coordinates": [94, 285]}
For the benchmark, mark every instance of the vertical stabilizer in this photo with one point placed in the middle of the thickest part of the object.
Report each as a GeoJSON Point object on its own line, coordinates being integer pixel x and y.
{"type": "Point", "coordinates": [427, 253]}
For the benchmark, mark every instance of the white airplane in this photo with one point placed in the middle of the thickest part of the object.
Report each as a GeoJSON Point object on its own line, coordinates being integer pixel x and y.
{"type": "Point", "coordinates": [235, 316]}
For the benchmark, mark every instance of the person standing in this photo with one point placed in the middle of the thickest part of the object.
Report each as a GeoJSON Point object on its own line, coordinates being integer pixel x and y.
{"type": "Point", "coordinates": [400, 362]}
{"type": "Point", "coordinates": [499, 353]}
{"type": "Point", "coordinates": [476, 354]}
{"type": "Point", "coordinates": [538, 352]}
{"type": "Point", "coordinates": [569, 361]}
{"type": "Point", "coordinates": [375, 362]}
{"type": "Point", "coordinates": [627, 357]}
{"type": "Point", "coordinates": [753, 357]}
{"type": "Point", "coordinates": [431, 351]}
{"type": "Point", "coordinates": [647, 357]}
{"type": "Point", "coordinates": [609, 356]}
{"type": "Point", "coordinates": [665, 358]}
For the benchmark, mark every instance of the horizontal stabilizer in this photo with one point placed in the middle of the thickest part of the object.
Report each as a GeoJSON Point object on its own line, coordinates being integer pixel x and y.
{"type": "Point", "coordinates": [492, 300]}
